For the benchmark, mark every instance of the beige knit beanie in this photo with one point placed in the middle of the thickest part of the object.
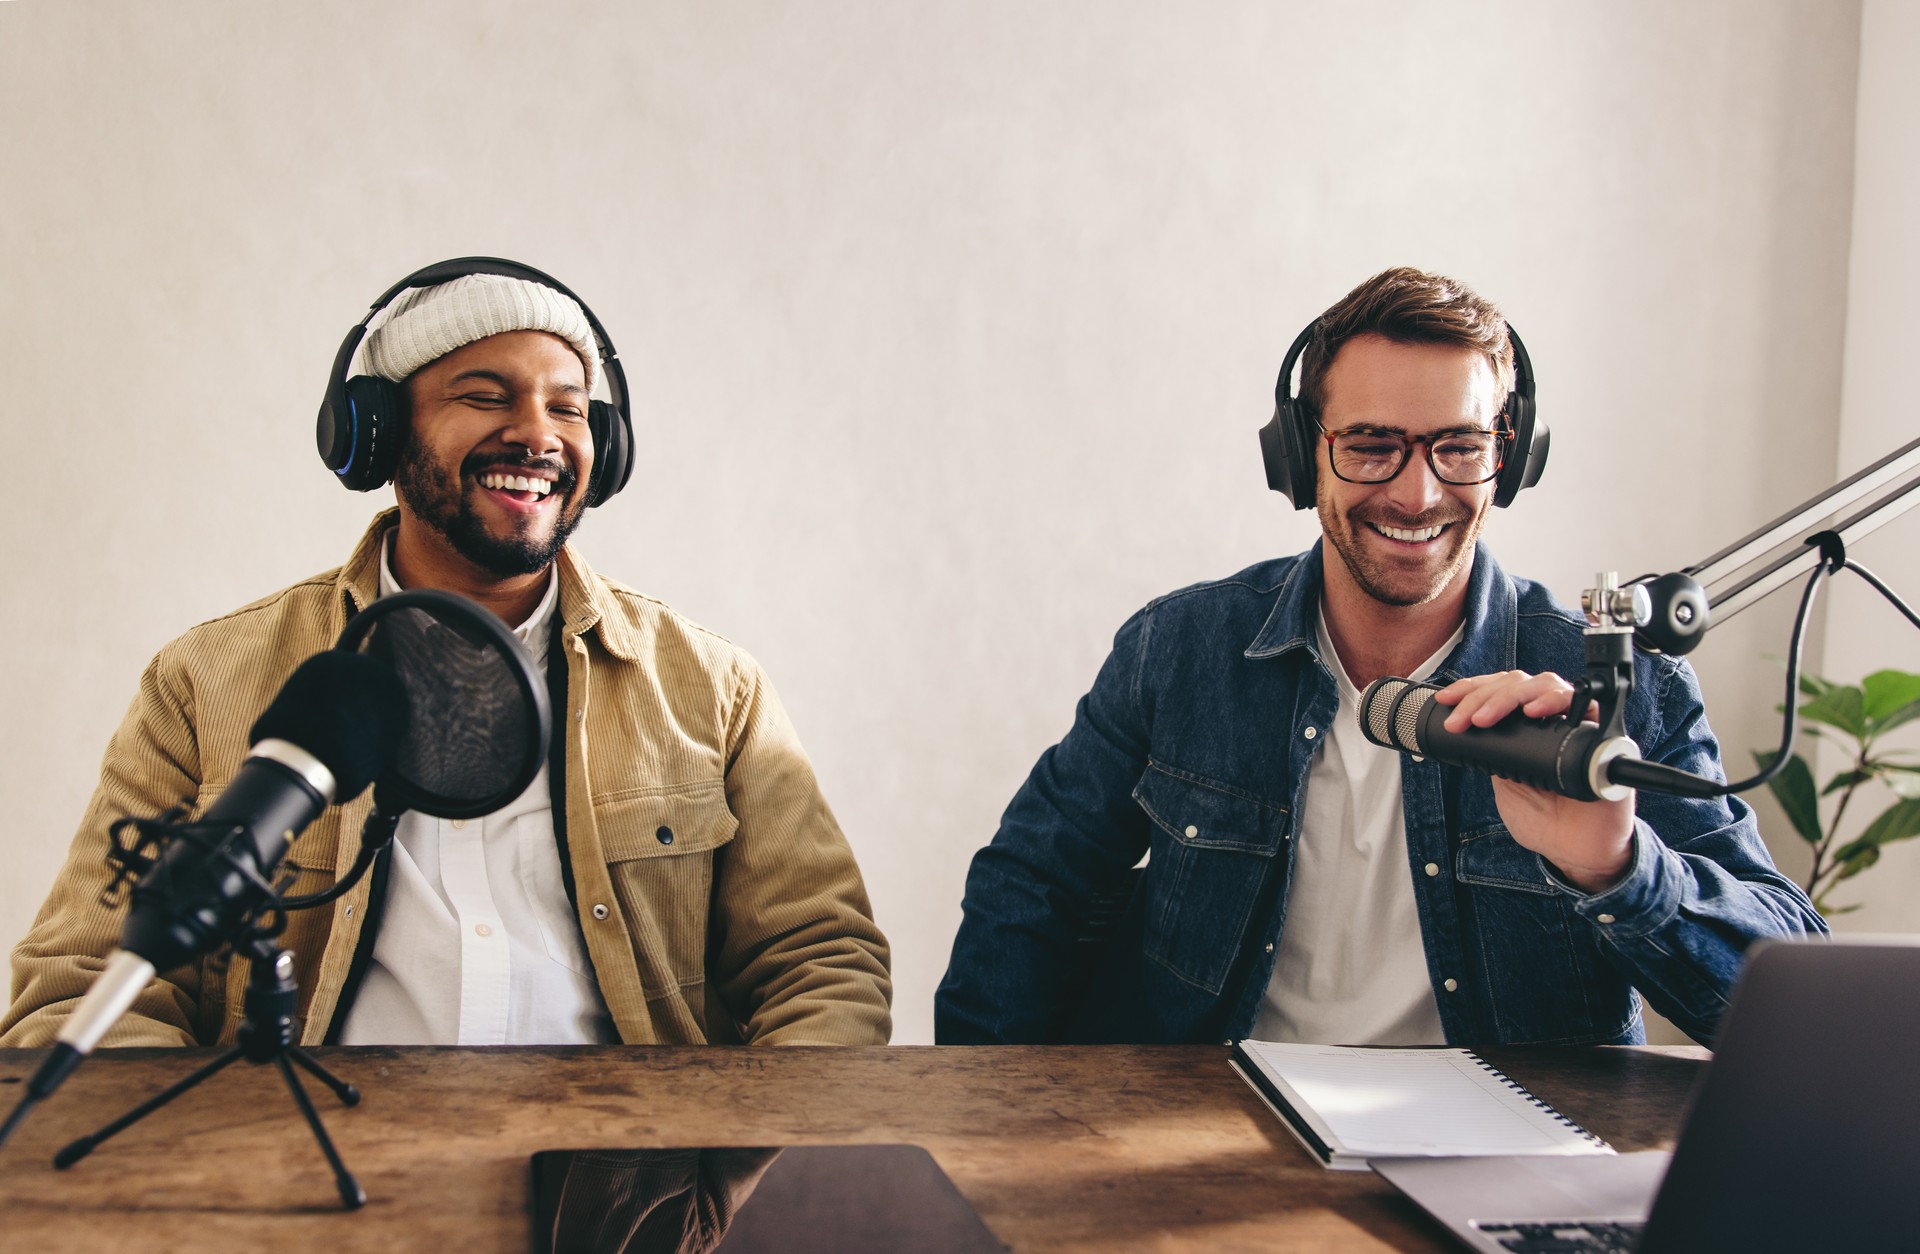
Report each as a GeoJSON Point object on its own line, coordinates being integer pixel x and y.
{"type": "Point", "coordinates": [424, 324]}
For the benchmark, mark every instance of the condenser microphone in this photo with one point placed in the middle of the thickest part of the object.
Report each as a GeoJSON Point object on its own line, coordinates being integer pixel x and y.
{"type": "Point", "coordinates": [335, 724]}
{"type": "Point", "coordinates": [1562, 756]}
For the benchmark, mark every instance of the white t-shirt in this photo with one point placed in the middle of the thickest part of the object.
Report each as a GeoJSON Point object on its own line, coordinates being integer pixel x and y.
{"type": "Point", "coordinates": [478, 944]}
{"type": "Point", "coordinates": [1351, 969]}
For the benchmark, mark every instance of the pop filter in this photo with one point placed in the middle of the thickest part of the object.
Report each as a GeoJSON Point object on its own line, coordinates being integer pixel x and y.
{"type": "Point", "coordinates": [480, 717]}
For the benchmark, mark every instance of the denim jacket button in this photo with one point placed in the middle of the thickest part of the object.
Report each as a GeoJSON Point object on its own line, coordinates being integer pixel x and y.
{"type": "Point", "coordinates": [1453, 986]}
{"type": "Point", "coordinates": [1604, 918]}
{"type": "Point", "coordinates": [1433, 868]}
{"type": "Point", "coordinates": [1192, 832]}
{"type": "Point", "coordinates": [1310, 733]}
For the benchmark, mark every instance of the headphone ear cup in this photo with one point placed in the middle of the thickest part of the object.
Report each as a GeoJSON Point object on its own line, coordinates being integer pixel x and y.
{"type": "Point", "coordinates": [361, 444]}
{"type": "Point", "coordinates": [1289, 457]}
{"type": "Point", "coordinates": [1527, 456]}
{"type": "Point", "coordinates": [612, 451]}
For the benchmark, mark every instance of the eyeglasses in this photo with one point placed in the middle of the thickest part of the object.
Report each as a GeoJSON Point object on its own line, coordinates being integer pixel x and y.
{"type": "Point", "coordinates": [1370, 455]}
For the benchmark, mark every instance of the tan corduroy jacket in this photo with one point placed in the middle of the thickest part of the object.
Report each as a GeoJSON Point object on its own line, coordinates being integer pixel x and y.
{"type": "Point", "coordinates": [751, 925]}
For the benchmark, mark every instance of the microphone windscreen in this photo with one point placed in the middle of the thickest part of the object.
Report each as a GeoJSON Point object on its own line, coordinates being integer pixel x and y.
{"type": "Point", "coordinates": [346, 709]}
{"type": "Point", "coordinates": [1390, 712]}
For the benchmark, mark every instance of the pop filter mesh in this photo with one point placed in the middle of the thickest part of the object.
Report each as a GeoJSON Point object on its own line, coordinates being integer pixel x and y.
{"type": "Point", "coordinates": [478, 731]}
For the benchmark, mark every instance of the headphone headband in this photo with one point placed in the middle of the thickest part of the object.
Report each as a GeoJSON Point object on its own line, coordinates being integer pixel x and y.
{"type": "Point", "coordinates": [360, 418]}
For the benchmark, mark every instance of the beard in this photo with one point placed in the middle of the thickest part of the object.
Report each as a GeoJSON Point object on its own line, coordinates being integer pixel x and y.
{"type": "Point", "coordinates": [439, 496]}
{"type": "Point", "coordinates": [1409, 580]}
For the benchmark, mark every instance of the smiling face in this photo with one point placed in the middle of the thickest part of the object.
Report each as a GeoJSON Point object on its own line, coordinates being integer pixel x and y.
{"type": "Point", "coordinates": [493, 477]}
{"type": "Point", "coordinates": [1410, 540]}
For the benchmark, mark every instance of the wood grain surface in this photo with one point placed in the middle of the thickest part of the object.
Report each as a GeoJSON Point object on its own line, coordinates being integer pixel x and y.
{"type": "Point", "coordinates": [1105, 1148]}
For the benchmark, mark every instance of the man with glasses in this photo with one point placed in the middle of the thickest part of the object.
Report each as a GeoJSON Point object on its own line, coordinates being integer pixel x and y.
{"type": "Point", "coordinates": [1216, 851]}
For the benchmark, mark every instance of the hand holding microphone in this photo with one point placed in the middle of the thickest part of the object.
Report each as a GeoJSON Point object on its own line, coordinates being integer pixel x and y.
{"type": "Point", "coordinates": [1555, 778]}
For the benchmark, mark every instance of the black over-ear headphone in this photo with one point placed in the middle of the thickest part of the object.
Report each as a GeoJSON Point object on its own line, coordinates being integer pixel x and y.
{"type": "Point", "coordinates": [1288, 442]}
{"type": "Point", "coordinates": [362, 418]}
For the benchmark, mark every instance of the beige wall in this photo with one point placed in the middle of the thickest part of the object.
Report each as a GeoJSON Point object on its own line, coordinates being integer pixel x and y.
{"type": "Point", "coordinates": [950, 322]}
{"type": "Point", "coordinates": [1879, 411]}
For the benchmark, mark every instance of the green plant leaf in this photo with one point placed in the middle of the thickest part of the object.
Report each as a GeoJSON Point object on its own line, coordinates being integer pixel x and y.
{"type": "Point", "coordinates": [1899, 821]}
{"type": "Point", "coordinates": [1857, 862]}
{"type": "Point", "coordinates": [1845, 779]}
{"type": "Point", "coordinates": [1884, 692]}
{"type": "Point", "coordinates": [1905, 714]}
{"type": "Point", "coordinates": [1842, 707]}
{"type": "Point", "coordinates": [1813, 686]}
{"type": "Point", "coordinates": [1793, 789]}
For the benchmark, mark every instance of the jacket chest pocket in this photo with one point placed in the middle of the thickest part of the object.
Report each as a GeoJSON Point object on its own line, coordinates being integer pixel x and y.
{"type": "Point", "coordinates": [1212, 852]}
{"type": "Point", "coordinates": [660, 848]}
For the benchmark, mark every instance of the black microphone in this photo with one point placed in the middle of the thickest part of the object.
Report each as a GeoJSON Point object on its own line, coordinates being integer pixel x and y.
{"type": "Point", "coordinates": [1559, 755]}
{"type": "Point", "coordinates": [336, 723]}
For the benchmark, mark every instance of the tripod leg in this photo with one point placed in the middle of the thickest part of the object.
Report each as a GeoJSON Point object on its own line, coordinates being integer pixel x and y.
{"type": "Point", "coordinates": [348, 1095]}
{"type": "Point", "coordinates": [351, 1194]}
{"type": "Point", "coordinates": [74, 1151]}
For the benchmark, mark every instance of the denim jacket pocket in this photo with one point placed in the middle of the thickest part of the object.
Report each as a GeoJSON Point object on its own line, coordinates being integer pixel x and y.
{"type": "Point", "coordinates": [660, 847]}
{"type": "Point", "coordinates": [1544, 977]}
{"type": "Point", "coordinates": [1211, 853]}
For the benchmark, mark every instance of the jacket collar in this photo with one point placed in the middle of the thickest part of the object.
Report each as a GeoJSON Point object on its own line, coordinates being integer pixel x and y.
{"type": "Point", "coordinates": [583, 597]}
{"type": "Point", "coordinates": [1487, 645]}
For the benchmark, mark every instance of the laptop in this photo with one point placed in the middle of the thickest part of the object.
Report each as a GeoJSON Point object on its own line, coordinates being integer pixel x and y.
{"type": "Point", "coordinates": [1803, 1135]}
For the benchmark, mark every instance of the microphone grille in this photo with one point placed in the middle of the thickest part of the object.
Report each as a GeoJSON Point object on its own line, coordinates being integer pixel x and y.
{"type": "Point", "coordinates": [1386, 719]}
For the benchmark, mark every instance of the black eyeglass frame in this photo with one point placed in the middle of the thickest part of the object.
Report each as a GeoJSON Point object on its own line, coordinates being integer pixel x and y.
{"type": "Point", "coordinates": [1503, 439]}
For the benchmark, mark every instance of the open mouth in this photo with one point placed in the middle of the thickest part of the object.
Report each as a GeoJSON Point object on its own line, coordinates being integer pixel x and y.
{"type": "Point", "coordinates": [1409, 535]}
{"type": "Point", "coordinates": [525, 489]}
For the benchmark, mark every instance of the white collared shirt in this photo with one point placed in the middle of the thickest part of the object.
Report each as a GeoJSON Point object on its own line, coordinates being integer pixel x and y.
{"type": "Point", "coordinates": [478, 944]}
{"type": "Point", "coordinates": [1351, 968]}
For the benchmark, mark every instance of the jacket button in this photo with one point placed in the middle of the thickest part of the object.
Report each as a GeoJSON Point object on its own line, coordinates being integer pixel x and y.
{"type": "Point", "coordinates": [599, 912]}
{"type": "Point", "coordinates": [1310, 733]}
{"type": "Point", "coordinates": [664, 835]}
{"type": "Point", "coordinates": [1453, 986]}
{"type": "Point", "coordinates": [1433, 868]}
{"type": "Point", "coordinates": [1604, 918]}
{"type": "Point", "coordinates": [1269, 946]}
{"type": "Point", "coordinates": [1192, 832]}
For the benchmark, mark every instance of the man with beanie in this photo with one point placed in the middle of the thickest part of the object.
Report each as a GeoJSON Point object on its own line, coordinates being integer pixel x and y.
{"type": "Point", "coordinates": [673, 875]}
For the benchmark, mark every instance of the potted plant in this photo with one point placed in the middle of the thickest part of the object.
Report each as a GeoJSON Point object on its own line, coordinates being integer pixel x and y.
{"type": "Point", "coordinates": [1855, 719]}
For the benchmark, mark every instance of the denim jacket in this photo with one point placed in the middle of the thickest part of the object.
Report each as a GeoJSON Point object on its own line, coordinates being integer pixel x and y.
{"type": "Point", "coordinates": [1193, 747]}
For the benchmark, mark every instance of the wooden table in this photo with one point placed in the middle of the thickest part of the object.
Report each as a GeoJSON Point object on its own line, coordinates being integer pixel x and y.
{"type": "Point", "coordinates": [1103, 1148]}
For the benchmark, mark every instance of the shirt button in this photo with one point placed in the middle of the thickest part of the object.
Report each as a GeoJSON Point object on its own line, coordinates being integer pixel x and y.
{"type": "Point", "coordinates": [1452, 986]}
{"type": "Point", "coordinates": [1310, 733]}
{"type": "Point", "coordinates": [664, 835]}
{"type": "Point", "coordinates": [1433, 868]}
{"type": "Point", "coordinates": [459, 823]}
{"type": "Point", "coordinates": [481, 929]}
{"type": "Point", "coordinates": [1604, 918]}
{"type": "Point", "coordinates": [599, 912]}
{"type": "Point", "coordinates": [1192, 832]}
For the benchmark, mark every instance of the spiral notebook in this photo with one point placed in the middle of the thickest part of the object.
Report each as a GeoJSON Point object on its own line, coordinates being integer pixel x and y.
{"type": "Point", "coordinates": [1349, 1104]}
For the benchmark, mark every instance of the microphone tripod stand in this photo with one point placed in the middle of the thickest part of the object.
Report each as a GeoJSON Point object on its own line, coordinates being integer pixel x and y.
{"type": "Point", "coordinates": [265, 1037]}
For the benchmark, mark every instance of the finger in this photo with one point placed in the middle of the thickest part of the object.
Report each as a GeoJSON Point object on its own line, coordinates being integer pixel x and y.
{"type": "Point", "coordinates": [1537, 696]}
{"type": "Point", "coordinates": [1484, 693]}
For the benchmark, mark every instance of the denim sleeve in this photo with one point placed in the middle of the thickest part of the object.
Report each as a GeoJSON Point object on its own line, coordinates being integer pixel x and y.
{"type": "Point", "coordinates": [1072, 832]}
{"type": "Point", "coordinates": [1701, 886]}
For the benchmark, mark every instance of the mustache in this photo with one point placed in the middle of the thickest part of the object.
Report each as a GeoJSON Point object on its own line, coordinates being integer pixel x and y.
{"type": "Point", "coordinates": [565, 477]}
{"type": "Point", "coordinates": [1438, 517]}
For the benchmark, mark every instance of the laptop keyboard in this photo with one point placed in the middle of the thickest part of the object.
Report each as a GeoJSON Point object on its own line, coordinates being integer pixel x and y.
{"type": "Point", "coordinates": [1564, 1238]}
